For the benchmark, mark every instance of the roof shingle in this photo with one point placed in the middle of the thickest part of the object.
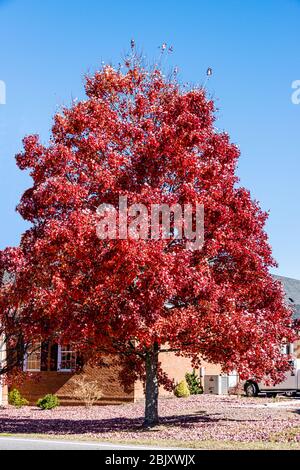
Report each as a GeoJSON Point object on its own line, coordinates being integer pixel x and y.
{"type": "Point", "coordinates": [292, 292]}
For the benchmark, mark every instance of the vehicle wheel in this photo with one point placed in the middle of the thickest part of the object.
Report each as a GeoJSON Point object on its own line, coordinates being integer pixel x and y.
{"type": "Point", "coordinates": [251, 389]}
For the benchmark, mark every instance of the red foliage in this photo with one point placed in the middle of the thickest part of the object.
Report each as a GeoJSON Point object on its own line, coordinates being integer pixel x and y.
{"type": "Point", "coordinates": [135, 135]}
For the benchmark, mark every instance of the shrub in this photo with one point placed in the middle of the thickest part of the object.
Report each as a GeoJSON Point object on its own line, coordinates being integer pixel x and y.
{"type": "Point", "coordinates": [182, 390]}
{"type": "Point", "coordinates": [15, 398]}
{"type": "Point", "coordinates": [193, 382]}
{"type": "Point", "coordinates": [87, 391]}
{"type": "Point", "coordinates": [48, 402]}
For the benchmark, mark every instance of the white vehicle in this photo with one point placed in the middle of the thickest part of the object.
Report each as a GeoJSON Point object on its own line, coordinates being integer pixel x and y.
{"type": "Point", "coordinates": [290, 386]}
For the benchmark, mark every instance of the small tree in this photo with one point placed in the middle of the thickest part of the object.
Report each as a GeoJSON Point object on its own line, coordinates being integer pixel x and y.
{"type": "Point", "coordinates": [193, 381]}
{"type": "Point", "coordinates": [87, 391]}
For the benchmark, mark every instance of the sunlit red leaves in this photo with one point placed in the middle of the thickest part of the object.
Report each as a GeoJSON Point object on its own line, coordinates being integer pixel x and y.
{"type": "Point", "coordinates": [139, 135]}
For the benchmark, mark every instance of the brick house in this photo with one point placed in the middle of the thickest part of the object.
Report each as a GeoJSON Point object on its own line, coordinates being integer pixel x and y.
{"type": "Point", "coordinates": [52, 368]}
{"type": "Point", "coordinates": [57, 376]}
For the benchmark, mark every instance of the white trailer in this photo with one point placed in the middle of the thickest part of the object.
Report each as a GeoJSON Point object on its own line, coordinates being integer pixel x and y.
{"type": "Point", "coordinates": [289, 386]}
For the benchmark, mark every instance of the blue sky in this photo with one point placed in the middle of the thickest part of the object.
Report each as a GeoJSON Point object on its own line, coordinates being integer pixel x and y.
{"type": "Point", "coordinates": [252, 46]}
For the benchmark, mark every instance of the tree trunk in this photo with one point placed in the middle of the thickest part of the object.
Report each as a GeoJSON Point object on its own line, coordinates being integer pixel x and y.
{"type": "Point", "coordinates": [151, 406]}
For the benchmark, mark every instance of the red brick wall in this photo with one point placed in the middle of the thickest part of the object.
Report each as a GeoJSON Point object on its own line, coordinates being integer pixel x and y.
{"type": "Point", "coordinates": [176, 368]}
{"type": "Point", "coordinates": [62, 384]}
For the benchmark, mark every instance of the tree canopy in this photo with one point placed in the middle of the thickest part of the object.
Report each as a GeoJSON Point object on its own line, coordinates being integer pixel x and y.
{"type": "Point", "coordinates": [143, 136]}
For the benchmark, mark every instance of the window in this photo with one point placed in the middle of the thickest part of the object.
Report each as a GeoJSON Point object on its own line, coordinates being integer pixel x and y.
{"type": "Point", "coordinates": [32, 362]}
{"type": "Point", "coordinates": [287, 349]}
{"type": "Point", "coordinates": [50, 357]}
{"type": "Point", "coordinates": [66, 358]}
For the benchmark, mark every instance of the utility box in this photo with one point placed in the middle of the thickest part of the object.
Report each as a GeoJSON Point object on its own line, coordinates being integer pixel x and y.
{"type": "Point", "coordinates": [219, 384]}
{"type": "Point", "coordinates": [216, 384]}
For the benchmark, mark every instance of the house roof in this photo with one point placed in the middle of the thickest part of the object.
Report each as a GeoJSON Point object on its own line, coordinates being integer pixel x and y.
{"type": "Point", "coordinates": [292, 292]}
{"type": "Point", "coordinates": [6, 277]}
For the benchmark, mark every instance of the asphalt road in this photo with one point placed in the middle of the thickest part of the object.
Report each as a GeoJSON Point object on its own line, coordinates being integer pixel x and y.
{"type": "Point", "coordinates": [16, 443]}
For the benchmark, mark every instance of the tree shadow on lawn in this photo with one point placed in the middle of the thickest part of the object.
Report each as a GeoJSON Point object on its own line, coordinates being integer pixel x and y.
{"type": "Point", "coordinates": [97, 426]}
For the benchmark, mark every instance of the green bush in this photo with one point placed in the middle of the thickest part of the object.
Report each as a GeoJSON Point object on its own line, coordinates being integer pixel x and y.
{"type": "Point", "coordinates": [193, 382]}
{"type": "Point", "coordinates": [48, 402]}
{"type": "Point", "coordinates": [182, 390]}
{"type": "Point", "coordinates": [15, 398]}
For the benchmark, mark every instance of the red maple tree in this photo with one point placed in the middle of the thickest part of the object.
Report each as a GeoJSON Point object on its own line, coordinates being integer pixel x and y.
{"type": "Point", "coordinates": [143, 136]}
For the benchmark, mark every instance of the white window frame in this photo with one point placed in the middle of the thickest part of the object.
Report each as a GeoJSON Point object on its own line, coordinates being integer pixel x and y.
{"type": "Point", "coordinates": [59, 360]}
{"type": "Point", "coordinates": [25, 362]}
